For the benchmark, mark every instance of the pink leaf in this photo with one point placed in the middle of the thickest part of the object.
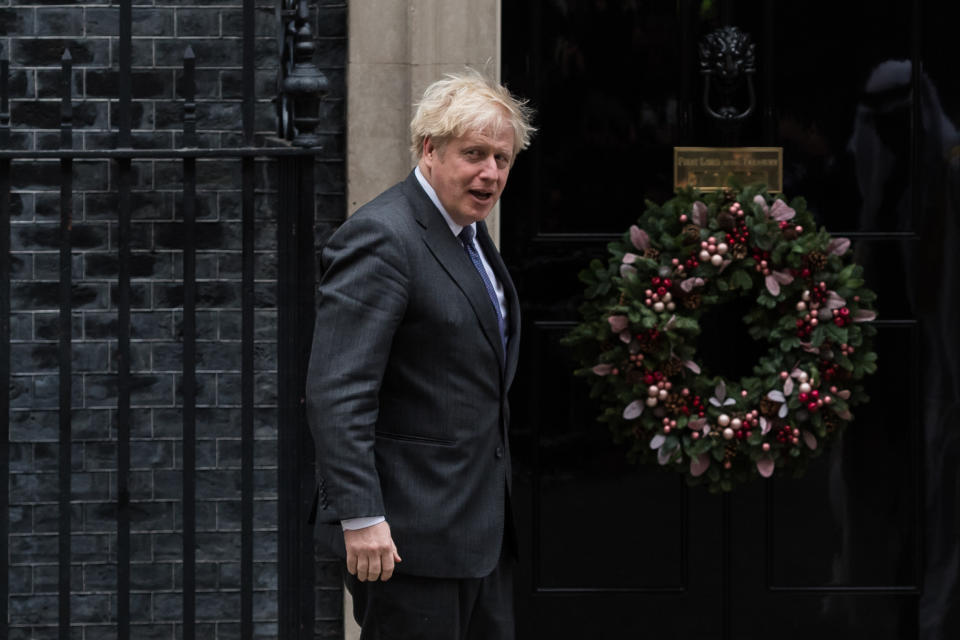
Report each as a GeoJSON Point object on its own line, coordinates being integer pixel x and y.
{"type": "Point", "coordinates": [688, 284]}
{"type": "Point", "coordinates": [663, 456]}
{"type": "Point", "coordinates": [639, 238]}
{"type": "Point", "coordinates": [693, 366]}
{"type": "Point", "coordinates": [699, 213]}
{"type": "Point", "coordinates": [618, 323]}
{"type": "Point", "coordinates": [864, 315]}
{"type": "Point", "coordinates": [838, 246]}
{"type": "Point", "coordinates": [772, 285]}
{"type": "Point", "coordinates": [809, 348]}
{"type": "Point", "coordinates": [782, 413]}
{"type": "Point", "coordinates": [699, 465]}
{"type": "Point", "coordinates": [845, 414]}
{"type": "Point", "coordinates": [834, 301]}
{"type": "Point", "coordinates": [759, 199]}
{"type": "Point", "coordinates": [720, 391]}
{"type": "Point", "coordinates": [633, 410]}
{"type": "Point", "coordinates": [788, 387]}
{"type": "Point", "coordinates": [764, 426]}
{"type": "Point", "coordinates": [697, 423]}
{"type": "Point", "coordinates": [783, 277]}
{"type": "Point", "coordinates": [669, 323]}
{"type": "Point", "coordinates": [781, 211]}
{"type": "Point", "coordinates": [626, 270]}
{"type": "Point", "coordinates": [603, 369]}
{"type": "Point", "coordinates": [625, 336]}
{"type": "Point", "coordinates": [657, 441]}
{"type": "Point", "coordinates": [777, 396]}
{"type": "Point", "coordinates": [724, 265]}
{"type": "Point", "coordinates": [810, 440]}
{"type": "Point", "coordinates": [844, 393]}
{"type": "Point", "coordinates": [629, 258]}
{"type": "Point", "coordinates": [765, 466]}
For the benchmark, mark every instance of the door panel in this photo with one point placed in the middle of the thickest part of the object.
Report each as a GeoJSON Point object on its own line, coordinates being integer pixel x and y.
{"type": "Point", "coordinates": [869, 539]}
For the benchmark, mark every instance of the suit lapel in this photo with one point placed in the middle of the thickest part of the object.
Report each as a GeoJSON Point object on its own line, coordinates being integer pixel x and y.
{"type": "Point", "coordinates": [450, 254]}
{"type": "Point", "coordinates": [513, 301]}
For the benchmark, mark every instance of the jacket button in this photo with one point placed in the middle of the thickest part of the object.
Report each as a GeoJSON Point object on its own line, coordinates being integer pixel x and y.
{"type": "Point", "coordinates": [498, 452]}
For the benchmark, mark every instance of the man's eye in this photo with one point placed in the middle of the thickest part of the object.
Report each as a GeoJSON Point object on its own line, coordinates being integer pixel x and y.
{"type": "Point", "coordinates": [472, 153]}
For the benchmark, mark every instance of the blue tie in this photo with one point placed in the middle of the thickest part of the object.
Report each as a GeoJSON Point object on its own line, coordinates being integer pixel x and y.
{"type": "Point", "coordinates": [466, 237]}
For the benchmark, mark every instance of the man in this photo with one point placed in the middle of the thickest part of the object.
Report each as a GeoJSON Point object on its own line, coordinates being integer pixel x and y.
{"type": "Point", "coordinates": [414, 350]}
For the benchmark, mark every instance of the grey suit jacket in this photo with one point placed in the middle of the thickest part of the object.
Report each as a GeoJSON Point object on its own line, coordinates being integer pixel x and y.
{"type": "Point", "coordinates": [407, 386]}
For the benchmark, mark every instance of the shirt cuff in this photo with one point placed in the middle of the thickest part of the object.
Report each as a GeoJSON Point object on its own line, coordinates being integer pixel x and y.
{"type": "Point", "coordinates": [352, 524]}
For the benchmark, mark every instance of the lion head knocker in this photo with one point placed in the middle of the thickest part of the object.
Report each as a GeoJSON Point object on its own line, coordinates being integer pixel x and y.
{"type": "Point", "coordinates": [727, 61]}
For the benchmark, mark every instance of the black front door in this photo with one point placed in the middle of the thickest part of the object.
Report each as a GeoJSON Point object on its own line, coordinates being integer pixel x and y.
{"type": "Point", "coordinates": [863, 99]}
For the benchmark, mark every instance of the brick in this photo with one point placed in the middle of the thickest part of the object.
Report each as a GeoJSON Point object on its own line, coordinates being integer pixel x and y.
{"type": "Point", "coordinates": [265, 85]}
{"type": "Point", "coordinates": [218, 606]}
{"type": "Point", "coordinates": [265, 23]}
{"type": "Point", "coordinates": [198, 22]}
{"type": "Point", "coordinates": [167, 546]}
{"type": "Point", "coordinates": [206, 455]}
{"type": "Point", "coordinates": [17, 22]}
{"type": "Point", "coordinates": [33, 609]}
{"type": "Point", "coordinates": [102, 21]}
{"type": "Point", "coordinates": [47, 52]}
{"type": "Point", "coordinates": [209, 53]}
{"type": "Point", "coordinates": [49, 84]}
{"type": "Point", "coordinates": [264, 514]}
{"type": "Point", "coordinates": [90, 608]}
{"type": "Point", "coordinates": [32, 548]}
{"type": "Point", "coordinates": [46, 457]}
{"type": "Point", "coordinates": [90, 547]}
{"type": "Point", "coordinates": [27, 488]}
{"type": "Point", "coordinates": [151, 576]}
{"type": "Point", "coordinates": [59, 21]}
{"type": "Point", "coordinates": [145, 83]}
{"type": "Point", "coordinates": [47, 518]}
{"type": "Point", "coordinates": [21, 518]}
{"type": "Point", "coordinates": [152, 22]}
{"type": "Point", "coordinates": [100, 518]}
{"type": "Point", "coordinates": [92, 486]}
{"type": "Point", "coordinates": [20, 580]}
{"type": "Point", "coordinates": [154, 631]}
{"type": "Point", "coordinates": [151, 516]}
{"type": "Point", "coordinates": [90, 425]}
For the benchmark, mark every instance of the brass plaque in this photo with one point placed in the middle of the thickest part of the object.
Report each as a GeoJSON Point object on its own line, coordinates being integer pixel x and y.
{"type": "Point", "coordinates": [709, 168]}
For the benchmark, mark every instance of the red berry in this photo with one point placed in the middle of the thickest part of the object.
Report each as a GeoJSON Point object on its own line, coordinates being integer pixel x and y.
{"type": "Point", "coordinates": [838, 321]}
{"type": "Point", "coordinates": [812, 406]}
{"type": "Point", "coordinates": [804, 397]}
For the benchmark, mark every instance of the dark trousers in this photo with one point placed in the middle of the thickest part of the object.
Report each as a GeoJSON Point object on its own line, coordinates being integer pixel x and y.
{"type": "Point", "coordinates": [416, 608]}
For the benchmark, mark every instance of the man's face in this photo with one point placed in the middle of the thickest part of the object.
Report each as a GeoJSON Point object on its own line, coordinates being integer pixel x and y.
{"type": "Point", "coordinates": [469, 172]}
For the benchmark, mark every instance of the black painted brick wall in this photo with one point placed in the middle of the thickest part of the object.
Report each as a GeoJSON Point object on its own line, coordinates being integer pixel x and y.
{"type": "Point", "coordinates": [33, 34]}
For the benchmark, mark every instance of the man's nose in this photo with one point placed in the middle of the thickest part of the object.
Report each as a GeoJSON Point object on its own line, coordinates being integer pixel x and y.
{"type": "Point", "coordinates": [489, 168]}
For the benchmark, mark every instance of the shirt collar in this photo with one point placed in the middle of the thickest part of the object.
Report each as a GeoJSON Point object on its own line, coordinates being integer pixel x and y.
{"type": "Point", "coordinates": [432, 194]}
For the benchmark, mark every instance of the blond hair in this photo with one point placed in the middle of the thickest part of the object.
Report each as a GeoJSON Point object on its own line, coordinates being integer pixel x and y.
{"type": "Point", "coordinates": [467, 102]}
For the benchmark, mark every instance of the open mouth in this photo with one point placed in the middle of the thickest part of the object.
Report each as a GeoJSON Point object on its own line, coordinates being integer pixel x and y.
{"type": "Point", "coordinates": [482, 196]}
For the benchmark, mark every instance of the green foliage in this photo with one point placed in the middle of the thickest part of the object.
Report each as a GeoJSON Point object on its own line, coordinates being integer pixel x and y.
{"type": "Point", "coordinates": [663, 341]}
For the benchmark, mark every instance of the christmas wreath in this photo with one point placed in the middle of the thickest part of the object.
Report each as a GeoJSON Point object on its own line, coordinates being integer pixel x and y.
{"type": "Point", "coordinates": [637, 341]}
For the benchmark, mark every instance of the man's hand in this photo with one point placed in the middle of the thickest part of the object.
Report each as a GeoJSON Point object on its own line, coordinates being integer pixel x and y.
{"type": "Point", "coordinates": [371, 553]}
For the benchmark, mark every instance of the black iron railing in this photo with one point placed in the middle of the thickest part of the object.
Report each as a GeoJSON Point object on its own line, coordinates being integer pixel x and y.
{"type": "Point", "coordinates": [294, 309]}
